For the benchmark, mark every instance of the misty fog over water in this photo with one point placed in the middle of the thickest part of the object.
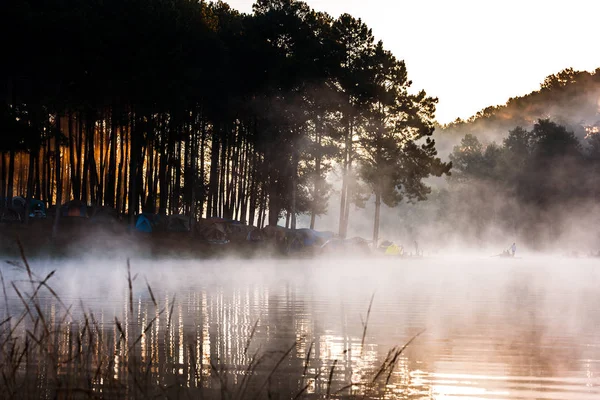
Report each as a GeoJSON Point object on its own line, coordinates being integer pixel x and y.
{"type": "Point", "coordinates": [494, 328]}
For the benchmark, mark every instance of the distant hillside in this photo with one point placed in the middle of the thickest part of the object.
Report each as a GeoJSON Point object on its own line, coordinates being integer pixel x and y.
{"type": "Point", "coordinates": [570, 98]}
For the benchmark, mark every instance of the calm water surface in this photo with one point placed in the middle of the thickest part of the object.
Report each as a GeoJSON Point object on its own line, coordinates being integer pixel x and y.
{"type": "Point", "coordinates": [493, 329]}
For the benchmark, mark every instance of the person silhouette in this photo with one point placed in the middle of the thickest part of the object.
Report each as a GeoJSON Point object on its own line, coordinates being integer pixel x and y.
{"type": "Point", "coordinates": [513, 249]}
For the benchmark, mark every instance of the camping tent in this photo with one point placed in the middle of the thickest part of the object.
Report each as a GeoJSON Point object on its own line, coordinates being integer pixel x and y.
{"type": "Point", "coordinates": [278, 233]}
{"type": "Point", "coordinates": [74, 208]}
{"type": "Point", "coordinates": [391, 249]}
{"type": "Point", "coordinates": [144, 223]}
{"type": "Point", "coordinates": [19, 202]}
{"type": "Point", "coordinates": [37, 208]}
{"type": "Point", "coordinates": [178, 223]}
{"type": "Point", "coordinates": [310, 237]}
{"type": "Point", "coordinates": [355, 245]}
{"type": "Point", "coordinates": [213, 231]}
{"type": "Point", "coordinates": [254, 235]}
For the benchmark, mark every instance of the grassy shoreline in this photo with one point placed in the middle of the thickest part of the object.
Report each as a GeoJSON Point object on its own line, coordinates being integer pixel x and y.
{"type": "Point", "coordinates": [79, 238]}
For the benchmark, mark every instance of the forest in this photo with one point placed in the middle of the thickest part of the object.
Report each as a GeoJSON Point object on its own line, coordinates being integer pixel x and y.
{"type": "Point", "coordinates": [189, 107]}
{"type": "Point", "coordinates": [541, 185]}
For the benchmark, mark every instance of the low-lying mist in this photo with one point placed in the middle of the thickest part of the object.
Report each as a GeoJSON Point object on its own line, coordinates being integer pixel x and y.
{"type": "Point", "coordinates": [494, 320]}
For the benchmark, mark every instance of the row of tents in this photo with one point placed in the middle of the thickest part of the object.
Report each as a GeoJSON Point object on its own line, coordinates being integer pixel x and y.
{"type": "Point", "coordinates": [13, 210]}
{"type": "Point", "coordinates": [221, 231]}
{"type": "Point", "coordinates": [218, 231]}
{"type": "Point", "coordinates": [213, 230]}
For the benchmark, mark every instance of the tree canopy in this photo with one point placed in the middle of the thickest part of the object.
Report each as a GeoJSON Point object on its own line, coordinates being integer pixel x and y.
{"type": "Point", "coordinates": [192, 107]}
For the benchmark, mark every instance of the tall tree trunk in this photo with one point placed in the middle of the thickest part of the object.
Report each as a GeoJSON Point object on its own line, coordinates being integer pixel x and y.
{"type": "Point", "coordinates": [120, 202]}
{"type": "Point", "coordinates": [224, 164]}
{"type": "Point", "coordinates": [133, 166]}
{"type": "Point", "coordinates": [104, 143]}
{"type": "Point", "coordinates": [274, 205]}
{"type": "Point", "coordinates": [126, 168]}
{"type": "Point", "coordinates": [192, 176]}
{"type": "Point", "coordinates": [48, 173]}
{"type": "Point", "coordinates": [213, 185]}
{"type": "Point", "coordinates": [349, 192]}
{"type": "Point", "coordinates": [11, 177]}
{"type": "Point", "coordinates": [344, 193]}
{"type": "Point", "coordinates": [163, 181]}
{"type": "Point", "coordinates": [22, 184]}
{"type": "Point", "coordinates": [253, 190]}
{"type": "Point", "coordinates": [177, 188]}
{"type": "Point", "coordinates": [245, 186]}
{"type": "Point", "coordinates": [58, 177]}
{"type": "Point", "coordinates": [317, 184]}
{"type": "Point", "coordinates": [93, 171]}
{"type": "Point", "coordinates": [82, 156]}
{"type": "Point", "coordinates": [202, 172]}
{"type": "Point", "coordinates": [30, 177]}
{"type": "Point", "coordinates": [295, 160]}
{"type": "Point", "coordinates": [37, 184]}
{"type": "Point", "coordinates": [376, 222]}
{"type": "Point", "coordinates": [75, 183]}
{"type": "Point", "coordinates": [109, 193]}
{"type": "Point", "coordinates": [142, 163]}
{"type": "Point", "coordinates": [147, 204]}
{"type": "Point", "coordinates": [3, 181]}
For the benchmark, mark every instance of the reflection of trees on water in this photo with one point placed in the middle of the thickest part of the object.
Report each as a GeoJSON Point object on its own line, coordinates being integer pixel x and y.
{"type": "Point", "coordinates": [188, 339]}
{"type": "Point", "coordinates": [523, 336]}
{"type": "Point", "coordinates": [208, 337]}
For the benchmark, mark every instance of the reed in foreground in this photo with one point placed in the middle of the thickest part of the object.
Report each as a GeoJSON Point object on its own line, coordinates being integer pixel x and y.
{"type": "Point", "coordinates": [49, 349]}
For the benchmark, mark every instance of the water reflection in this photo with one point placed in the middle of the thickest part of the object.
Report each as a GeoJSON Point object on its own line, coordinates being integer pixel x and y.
{"type": "Point", "coordinates": [489, 335]}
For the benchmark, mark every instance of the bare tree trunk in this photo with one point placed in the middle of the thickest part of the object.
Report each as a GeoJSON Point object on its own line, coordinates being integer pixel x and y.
{"type": "Point", "coordinates": [109, 193]}
{"type": "Point", "coordinates": [75, 183]}
{"type": "Point", "coordinates": [133, 165]}
{"type": "Point", "coordinates": [126, 167]}
{"type": "Point", "coordinates": [317, 184]}
{"type": "Point", "coordinates": [202, 176]}
{"type": "Point", "coordinates": [58, 177]}
{"type": "Point", "coordinates": [85, 153]}
{"type": "Point", "coordinates": [274, 206]}
{"type": "Point", "coordinates": [3, 181]}
{"type": "Point", "coordinates": [120, 202]}
{"type": "Point", "coordinates": [223, 166]}
{"type": "Point", "coordinates": [177, 187]}
{"type": "Point", "coordinates": [11, 177]}
{"type": "Point", "coordinates": [30, 176]}
{"type": "Point", "coordinates": [376, 222]}
{"type": "Point", "coordinates": [295, 160]}
{"type": "Point", "coordinates": [48, 174]}
{"type": "Point", "coordinates": [37, 183]}
{"type": "Point", "coordinates": [344, 194]}
{"type": "Point", "coordinates": [350, 187]}
{"type": "Point", "coordinates": [213, 185]}
{"type": "Point", "coordinates": [163, 171]}
{"type": "Point", "coordinates": [93, 171]}
{"type": "Point", "coordinates": [253, 190]}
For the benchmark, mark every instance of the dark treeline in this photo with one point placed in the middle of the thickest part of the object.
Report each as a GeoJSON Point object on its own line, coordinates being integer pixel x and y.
{"type": "Point", "coordinates": [187, 107]}
{"type": "Point", "coordinates": [568, 97]}
{"type": "Point", "coordinates": [541, 185]}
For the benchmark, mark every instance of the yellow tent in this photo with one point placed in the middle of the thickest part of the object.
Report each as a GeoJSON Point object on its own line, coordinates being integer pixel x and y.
{"type": "Point", "coordinates": [394, 250]}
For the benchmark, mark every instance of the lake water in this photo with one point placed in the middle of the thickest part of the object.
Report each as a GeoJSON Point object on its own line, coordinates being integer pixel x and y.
{"type": "Point", "coordinates": [486, 328]}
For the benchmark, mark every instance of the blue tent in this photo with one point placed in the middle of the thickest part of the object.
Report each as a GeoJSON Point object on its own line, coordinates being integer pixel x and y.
{"type": "Point", "coordinates": [310, 237]}
{"type": "Point", "coordinates": [37, 208]}
{"type": "Point", "coordinates": [143, 224]}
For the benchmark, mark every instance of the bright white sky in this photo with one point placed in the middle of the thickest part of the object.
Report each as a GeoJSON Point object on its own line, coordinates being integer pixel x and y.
{"type": "Point", "coordinates": [475, 53]}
